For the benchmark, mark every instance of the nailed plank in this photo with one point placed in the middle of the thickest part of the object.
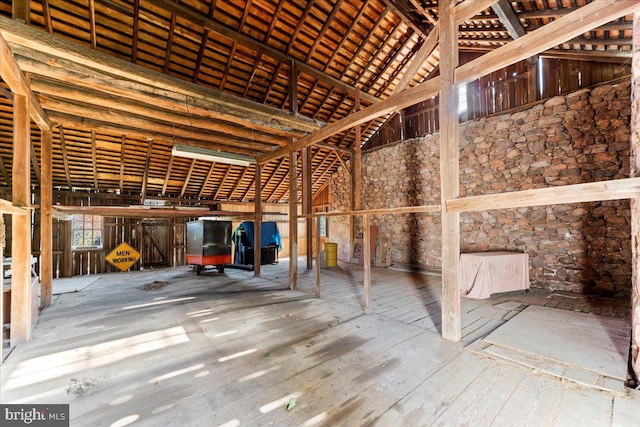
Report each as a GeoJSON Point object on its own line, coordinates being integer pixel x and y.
{"type": "Point", "coordinates": [617, 189]}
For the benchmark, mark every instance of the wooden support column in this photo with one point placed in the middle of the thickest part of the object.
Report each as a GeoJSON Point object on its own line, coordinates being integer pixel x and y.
{"type": "Point", "coordinates": [257, 243]}
{"type": "Point", "coordinates": [21, 295]}
{"type": "Point", "coordinates": [356, 177]}
{"type": "Point", "coordinates": [449, 172]}
{"type": "Point", "coordinates": [293, 87]}
{"type": "Point", "coordinates": [306, 203]}
{"type": "Point", "coordinates": [21, 10]}
{"type": "Point", "coordinates": [366, 249]}
{"type": "Point", "coordinates": [46, 226]}
{"type": "Point", "coordinates": [317, 240]}
{"type": "Point", "coordinates": [293, 221]}
{"type": "Point", "coordinates": [635, 202]}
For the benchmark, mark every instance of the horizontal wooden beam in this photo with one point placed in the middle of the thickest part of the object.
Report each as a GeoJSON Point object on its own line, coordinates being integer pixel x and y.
{"type": "Point", "coordinates": [605, 56]}
{"type": "Point", "coordinates": [6, 207]}
{"type": "Point", "coordinates": [12, 75]}
{"type": "Point", "coordinates": [334, 148]}
{"type": "Point", "coordinates": [381, 211]}
{"type": "Point", "coordinates": [578, 193]}
{"type": "Point", "coordinates": [46, 71]}
{"type": "Point", "coordinates": [553, 34]}
{"type": "Point", "coordinates": [94, 100]}
{"type": "Point", "coordinates": [16, 33]}
{"type": "Point", "coordinates": [470, 8]}
{"type": "Point", "coordinates": [138, 211]}
{"type": "Point", "coordinates": [87, 125]}
{"type": "Point", "coordinates": [142, 125]}
{"type": "Point", "coordinates": [393, 103]}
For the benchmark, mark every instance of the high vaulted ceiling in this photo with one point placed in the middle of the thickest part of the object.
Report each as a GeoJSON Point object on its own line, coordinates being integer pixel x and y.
{"type": "Point", "coordinates": [127, 79]}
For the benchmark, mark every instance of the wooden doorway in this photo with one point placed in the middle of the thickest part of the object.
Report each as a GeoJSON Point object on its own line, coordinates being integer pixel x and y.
{"type": "Point", "coordinates": [155, 243]}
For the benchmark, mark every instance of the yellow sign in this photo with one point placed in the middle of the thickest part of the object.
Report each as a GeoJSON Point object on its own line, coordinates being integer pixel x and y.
{"type": "Point", "coordinates": [123, 256]}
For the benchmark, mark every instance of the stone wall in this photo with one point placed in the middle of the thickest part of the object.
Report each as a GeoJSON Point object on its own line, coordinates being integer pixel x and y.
{"type": "Point", "coordinates": [581, 137]}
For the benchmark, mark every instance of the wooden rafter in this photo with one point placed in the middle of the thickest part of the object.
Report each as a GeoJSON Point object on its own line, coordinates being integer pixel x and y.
{"type": "Point", "coordinates": [93, 37]}
{"type": "Point", "coordinates": [35, 164]}
{"type": "Point", "coordinates": [301, 21]}
{"type": "Point", "coordinates": [198, 19]}
{"type": "Point", "coordinates": [206, 181]}
{"type": "Point", "coordinates": [122, 158]}
{"type": "Point", "coordinates": [237, 184]}
{"type": "Point", "coordinates": [200, 57]}
{"type": "Point", "coordinates": [145, 178]}
{"type": "Point", "coordinates": [222, 182]}
{"type": "Point", "coordinates": [402, 8]}
{"type": "Point", "coordinates": [252, 75]}
{"type": "Point", "coordinates": [227, 67]}
{"type": "Point", "coordinates": [349, 30]}
{"type": "Point", "coordinates": [507, 16]}
{"type": "Point", "coordinates": [419, 59]}
{"type": "Point", "coordinates": [186, 180]}
{"type": "Point", "coordinates": [94, 159]}
{"type": "Point", "coordinates": [168, 175]}
{"type": "Point", "coordinates": [325, 26]}
{"type": "Point", "coordinates": [272, 82]}
{"type": "Point", "coordinates": [65, 156]}
{"type": "Point", "coordinates": [135, 31]}
{"type": "Point", "coordinates": [167, 56]}
{"type": "Point", "coordinates": [46, 12]}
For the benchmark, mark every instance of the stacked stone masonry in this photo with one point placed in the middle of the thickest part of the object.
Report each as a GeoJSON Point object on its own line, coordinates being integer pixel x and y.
{"type": "Point", "coordinates": [581, 137]}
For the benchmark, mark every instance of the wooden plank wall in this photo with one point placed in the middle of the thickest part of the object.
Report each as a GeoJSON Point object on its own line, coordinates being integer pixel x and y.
{"type": "Point", "coordinates": [502, 91]}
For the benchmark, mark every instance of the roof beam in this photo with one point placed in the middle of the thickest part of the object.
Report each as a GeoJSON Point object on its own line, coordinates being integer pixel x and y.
{"type": "Point", "coordinates": [402, 9]}
{"type": "Point", "coordinates": [145, 124]}
{"type": "Point", "coordinates": [505, 12]}
{"type": "Point", "coordinates": [12, 75]}
{"type": "Point", "coordinates": [35, 40]}
{"type": "Point", "coordinates": [393, 103]}
{"type": "Point", "coordinates": [470, 8]}
{"type": "Point", "coordinates": [94, 158]}
{"type": "Point", "coordinates": [186, 180]}
{"type": "Point", "coordinates": [65, 157]}
{"type": "Point", "coordinates": [198, 19]}
{"type": "Point", "coordinates": [560, 31]}
{"type": "Point", "coordinates": [91, 81]}
{"type": "Point", "coordinates": [557, 32]}
{"type": "Point", "coordinates": [419, 59]}
{"type": "Point", "coordinates": [206, 180]}
{"type": "Point", "coordinates": [93, 37]}
{"type": "Point", "coordinates": [98, 100]}
{"type": "Point", "coordinates": [168, 175]}
{"type": "Point", "coordinates": [145, 179]}
{"type": "Point", "coordinates": [122, 158]}
{"type": "Point", "coordinates": [222, 181]}
{"type": "Point", "coordinates": [206, 141]}
{"type": "Point", "coordinates": [5, 173]}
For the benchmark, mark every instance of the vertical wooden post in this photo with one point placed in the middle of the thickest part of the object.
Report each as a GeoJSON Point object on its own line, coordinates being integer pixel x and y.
{"type": "Point", "coordinates": [21, 10]}
{"type": "Point", "coordinates": [293, 220]}
{"type": "Point", "coordinates": [449, 172]}
{"type": "Point", "coordinates": [2, 243]}
{"type": "Point", "coordinates": [257, 239]}
{"type": "Point", "coordinates": [46, 227]}
{"type": "Point", "coordinates": [366, 250]}
{"type": "Point", "coordinates": [356, 178]}
{"type": "Point", "coordinates": [21, 296]}
{"type": "Point", "coordinates": [306, 203]}
{"type": "Point", "coordinates": [317, 219]}
{"type": "Point", "coordinates": [635, 203]}
{"type": "Point", "coordinates": [532, 81]}
{"type": "Point", "coordinates": [293, 87]}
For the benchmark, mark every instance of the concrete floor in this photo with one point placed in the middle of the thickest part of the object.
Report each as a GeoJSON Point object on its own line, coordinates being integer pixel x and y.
{"type": "Point", "coordinates": [166, 347]}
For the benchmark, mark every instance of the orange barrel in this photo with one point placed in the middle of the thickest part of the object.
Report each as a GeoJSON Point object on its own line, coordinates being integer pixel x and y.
{"type": "Point", "coordinates": [332, 254]}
